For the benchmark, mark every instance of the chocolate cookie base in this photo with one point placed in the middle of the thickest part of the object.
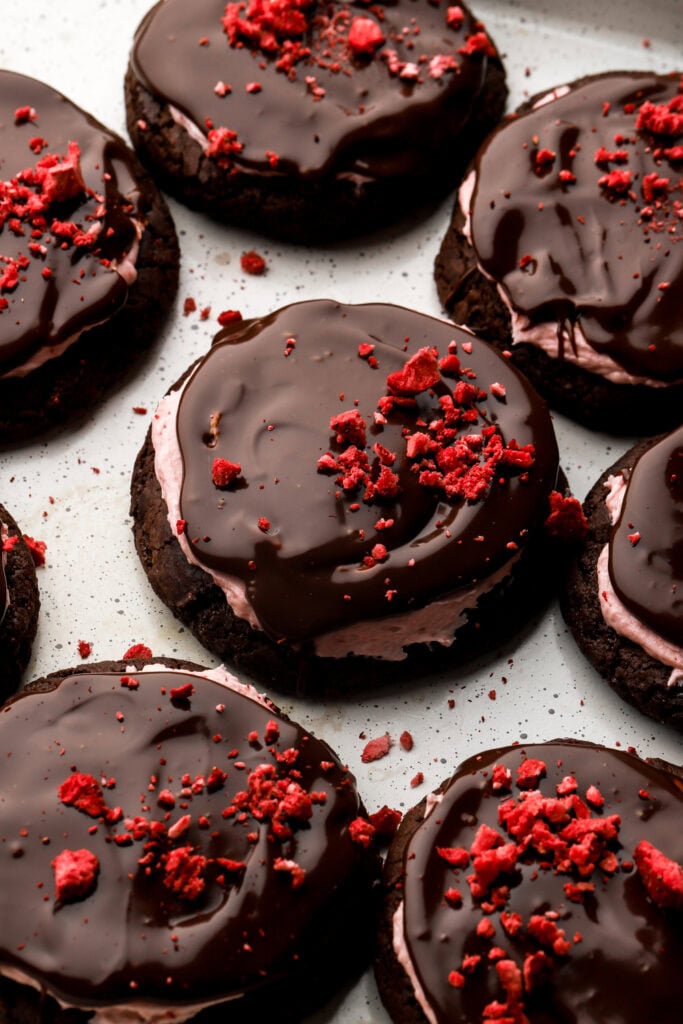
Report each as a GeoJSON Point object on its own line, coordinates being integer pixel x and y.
{"type": "Point", "coordinates": [71, 384]}
{"type": "Point", "coordinates": [635, 675]}
{"type": "Point", "coordinates": [19, 624]}
{"type": "Point", "coordinates": [314, 211]}
{"type": "Point", "coordinates": [194, 598]}
{"type": "Point", "coordinates": [470, 298]}
{"type": "Point", "coordinates": [317, 973]}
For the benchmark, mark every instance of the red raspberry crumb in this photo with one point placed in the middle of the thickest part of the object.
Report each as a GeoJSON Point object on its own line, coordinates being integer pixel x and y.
{"type": "Point", "coordinates": [566, 519]}
{"type": "Point", "coordinates": [140, 410]}
{"type": "Point", "coordinates": [662, 877]}
{"type": "Point", "coordinates": [252, 263]}
{"type": "Point", "coordinates": [456, 979]}
{"type": "Point", "coordinates": [189, 306]}
{"type": "Point", "coordinates": [365, 36]}
{"type": "Point", "coordinates": [529, 773]}
{"type": "Point", "coordinates": [183, 692]}
{"type": "Point", "coordinates": [37, 549]}
{"type": "Point", "coordinates": [406, 740]}
{"type": "Point", "coordinates": [455, 17]}
{"type": "Point", "coordinates": [263, 524]}
{"type": "Point", "coordinates": [183, 872]}
{"type": "Point", "coordinates": [417, 780]}
{"type": "Point", "coordinates": [228, 316]}
{"type": "Point", "coordinates": [224, 472]}
{"type": "Point", "coordinates": [375, 749]}
{"type": "Point", "coordinates": [361, 832]}
{"type": "Point", "coordinates": [138, 651]}
{"type": "Point", "coordinates": [83, 792]}
{"type": "Point", "coordinates": [75, 874]}
{"type": "Point", "coordinates": [296, 872]}
{"type": "Point", "coordinates": [419, 373]}
{"type": "Point", "coordinates": [385, 822]}
{"type": "Point", "coordinates": [24, 114]}
{"type": "Point", "coordinates": [180, 526]}
{"type": "Point", "coordinates": [84, 648]}
{"type": "Point", "coordinates": [349, 427]}
{"type": "Point", "coordinates": [129, 682]}
{"type": "Point", "coordinates": [453, 897]}
{"type": "Point", "coordinates": [456, 856]}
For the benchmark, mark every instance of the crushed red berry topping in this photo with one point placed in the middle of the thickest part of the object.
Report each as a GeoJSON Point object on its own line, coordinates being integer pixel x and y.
{"type": "Point", "coordinates": [375, 749]}
{"type": "Point", "coordinates": [228, 316]}
{"type": "Point", "coordinates": [365, 36]}
{"type": "Point", "coordinates": [138, 651]}
{"type": "Point", "coordinates": [224, 472]}
{"type": "Point", "coordinates": [37, 549]}
{"type": "Point", "coordinates": [566, 519]}
{"type": "Point", "coordinates": [253, 263]}
{"type": "Point", "coordinates": [75, 874]}
{"type": "Point", "coordinates": [385, 822]}
{"type": "Point", "coordinates": [84, 648]}
{"type": "Point", "coordinates": [662, 877]}
{"type": "Point", "coordinates": [362, 832]}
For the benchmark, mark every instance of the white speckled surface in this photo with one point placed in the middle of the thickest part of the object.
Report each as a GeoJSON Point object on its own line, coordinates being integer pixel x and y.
{"type": "Point", "coordinates": [93, 587]}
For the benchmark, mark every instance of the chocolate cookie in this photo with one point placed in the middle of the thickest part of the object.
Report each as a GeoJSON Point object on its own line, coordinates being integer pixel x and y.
{"type": "Point", "coordinates": [338, 493]}
{"type": "Point", "coordinates": [307, 120]}
{"type": "Point", "coordinates": [621, 597]}
{"type": "Point", "coordinates": [556, 250]}
{"type": "Point", "coordinates": [539, 884]}
{"type": "Point", "coordinates": [174, 846]}
{"type": "Point", "coordinates": [89, 258]}
{"type": "Point", "coordinates": [19, 604]}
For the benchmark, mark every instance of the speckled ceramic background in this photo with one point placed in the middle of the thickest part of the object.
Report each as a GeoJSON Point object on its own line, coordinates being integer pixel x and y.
{"type": "Point", "coordinates": [72, 491]}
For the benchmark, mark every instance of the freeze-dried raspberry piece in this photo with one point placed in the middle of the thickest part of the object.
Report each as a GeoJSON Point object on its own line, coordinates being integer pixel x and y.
{"type": "Point", "coordinates": [405, 739]}
{"type": "Point", "coordinates": [75, 874]}
{"type": "Point", "coordinates": [83, 792]}
{"type": "Point", "coordinates": [616, 182]}
{"type": "Point", "coordinates": [349, 427]}
{"type": "Point", "coordinates": [529, 773]}
{"type": "Point", "coordinates": [365, 36]}
{"type": "Point", "coordinates": [253, 263]}
{"type": "Point", "coordinates": [37, 549]}
{"type": "Point", "coordinates": [662, 877]}
{"type": "Point", "coordinates": [375, 749]}
{"type": "Point", "coordinates": [84, 648]}
{"type": "Point", "coordinates": [385, 822]}
{"type": "Point", "coordinates": [456, 856]}
{"type": "Point", "coordinates": [478, 43]}
{"type": "Point", "coordinates": [224, 472]}
{"type": "Point", "coordinates": [183, 692]}
{"type": "Point", "coordinates": [64, 179]}
{"type": "Point", "coordinates": [662, 118]}
{"type": "Point", "coordinates": [566, 519]}
{"type": "Point", "coordinates": [419, 373]}
{"type": "Point", "coordinates": [361, 832]}
{"type": "Point", "coordinates": [184, 872]}
{"type": "Point", "coordinates": [222, 145]}
{"type": "Point", "coordinates": [295, 871]}
{"type": "Point", "coordinates": [138, 651]}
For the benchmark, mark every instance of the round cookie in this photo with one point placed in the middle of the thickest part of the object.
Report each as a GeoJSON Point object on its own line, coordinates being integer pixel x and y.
{"type": "Point", "coordinates": [174, 845]}
{"type": "Point", "coordinates": [539, 884]}
{"type": "Point", "coordinates": [560, 258]}
{"type": "Point", "coordinates": [89, 259]}
{"type": "Point", "coordinates": [19, 604]}
{"type": "Point", "coordinates": [335, 492]}
{"type": "Point", "coordinates": [627, 620]}
{"type": "Point", "coordinates": [310, 121]}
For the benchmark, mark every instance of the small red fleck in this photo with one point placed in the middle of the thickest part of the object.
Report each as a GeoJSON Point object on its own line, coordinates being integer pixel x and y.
{"type": "Point", "coordinates": [37, 549]}
{"type": "Point", "coordinates": [189, 306]}
{"type": "Point", "coordinates": [180, 526]}
{"type": "Point", "coordinates": [417, 780]}
{"type": "Point", "coordinates": [253, 87]}
{"type": "Point", "coordinates": [223, 472]}
{"type": "Point", "coordinates": [182, 692]}
{"type": "Point", "coordinates": [662, 877]}
{"type": "Point", "coordinates": [406, 740]}
{"type": "Point", "coordinates": [84, 648]}
{"type": "Point", "coordinates": [633, 538]}
{"type": "Point", "coordinates": [365, 36]}
{"type": "Point", "coordinates": [566, 519]}
{"type": "Point", "coordinates": [22, 115]}
{"type": "Point", "coordinates": [228, 316]}
{"type": "Point", "coordinates": [361, 832]}
{"type": "Point", "coordinates": [375, 749]}
{"type": "Point", "coordinates": [263, 524]}
{"type": "Point", "coordinates": [129, 682]}
{"type": "Point", "coordinates": [385, 822]}
{"type": "Point", "coordinates": [140, 410]}
{"type": "Point", "coordinates": [75, 874]}
{"type": "Point", "coordinates": [252, 263]}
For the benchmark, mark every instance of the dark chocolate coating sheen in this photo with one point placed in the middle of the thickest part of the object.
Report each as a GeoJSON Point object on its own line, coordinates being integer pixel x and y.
{"type": "Point", "coordinates": [646, 547]}
{"type": "Point", "coordinates": [4, 593]}
{"type": "Point", "coordinates": [625, 969]}
{"type": "Point", "coordinates": [46, 312]}
{"type": "Point", "coordinates": [368, 126]}
{"type": "Point", "coordinates": [132, 938]}
{"type": "Point", "coordinates": [305, 576]}
{"type": "Point", "coordinates": [596, 258]}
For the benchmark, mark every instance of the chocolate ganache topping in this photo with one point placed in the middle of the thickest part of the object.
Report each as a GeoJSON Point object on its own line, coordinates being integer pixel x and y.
{"type": "Point", "coordinates": [353, 503]}
{"type": "Point", "coordinates": [646, 545]}
{"type": "Point", "coordinates": [576, 215]}
{"type": "Point", "coordinates": [4, 590]}
{"type": "Point", "coordinates": [315, 88]}
{"type": "Point", "coordinates": [165, 839]}
{"type": "Point", "coordinates": [68, 196]}
{"type": "Point", "coordinates": [554, 851]}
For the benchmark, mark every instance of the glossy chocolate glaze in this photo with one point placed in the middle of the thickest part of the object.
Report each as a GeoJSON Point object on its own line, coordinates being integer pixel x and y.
{"type": "Point", "coordinates": [625, 970]}
{"type": "Point", "coordinates": [4, 591]}
{"type": "Point", "coordinates": [648, 575]}
{"type": "Point", "coordinates": [369, 124]}
{"type": "Point", "coordinates": [298, 573]}
{"type": "Point", "coordinates": [42, 312]}
{"type": "Point", "coordinates": [132, 938]}
{"type": "Point", "coordinates": [601, 272]}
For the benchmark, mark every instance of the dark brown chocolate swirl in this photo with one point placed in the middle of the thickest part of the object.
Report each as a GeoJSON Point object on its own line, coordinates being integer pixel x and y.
{"type": "Point", "coordinates": [304, 573]}
{"type": "Point", "coordinates": [369, 124]}
{"type": "Point", "coordinates": [81, 290]}
{"type": "Point", "coordinates": [624, 968]}
{"type": "Point", "coordinates": [133, 938]}
{"type": "Point", "coordinates": [4, 591]}
{"type": "Point", "coordinates": [646, 546]}
{"type": "Point", "coordinates": [568, 246]}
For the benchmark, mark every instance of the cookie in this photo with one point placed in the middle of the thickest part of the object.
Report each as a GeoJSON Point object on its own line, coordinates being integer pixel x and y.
{"type": "Point", "coordinates": [310, 121]}
{"type": "Point", "coordinates": [337, 493]}
{"type": "Point", "coordinates": [621, 595]}
{"type": "Point", "coordinates": [559, 258]}
{"type": "Point", "coordinates": [19, 604]}
{"type": "Point", "coordinates": [539, 884]}
{"type": "Point", "coordinates": [89, 259]}
{"type": "Point", "coordinates": [174, 845]}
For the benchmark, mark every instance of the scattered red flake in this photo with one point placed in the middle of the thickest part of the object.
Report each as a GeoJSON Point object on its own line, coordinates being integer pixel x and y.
{"type": "Point", "coordinates": [417, 780]}
{"type": "Point", "coordinates": [253, 87]}
{"type": "Point", "coordinates": [456, 856]}
{"type": "Point", "coordinates": [529, 773]}
{"type": "Point", "coordinates": [184, 872]}
{"type": "Point", "coordinates": [263, 524]}
{"type": "Point", "coordinates": [252, 263]}
{"type": "Point", "coordinates": [604, 156]}
{"type": "Point", "coordinates": [478, 43]}
{"type": "Point", "coordinates": [272, 733]}
{"type": "Point", "coordinates": [83, 792]}
{"type": "Point", "coordinates": [634, 538]}
{"type": "Point", "coordinates": [456, 979]}
{"type": "Point", "coordinates": [662, 118]}
{"type": "Point", "coordinates": [455, 17]}
{"type": "Point", "coordinates": [9, 543]}
{"type": "Point", "coordinates": [616, 182]}
{"type": "Point", "coordinates": [419, 373]}
{"type": "Point", "coordinates": [385, 822]}
{"type": "Point", "coordinates": [501, 778]}
{"type": "Point", "coordinates": [406, 740]}
{"type": "Point", "coordinates": [349, 427]}
{"type": "Point", "coordinates": [272, 158]}
{"type": "Point", "coordinates": [365, 349]}
{"type": "Point", "coordinates": [662, 877]}
{"type": "Point", "coordinates": [222, 88]}
{"type": "Point", "coordinates": [140, 410]}
{"type": "Point", "coordinates": [375, 749]}
{"type": "Point", "coordinates": [361, 832]}
{"type": "Point", "coordinates": [180, 526]}
{"type": "Point", "coordinates": [544, 158]}
{"type": "Point", "coordinates": [189, 306]}
{"type": "Point", "coordinates": [129, 682]}
{"type": "Point", "coordinates": [365, 36]}
{"type": "Point", "coordinates": [566, 519]}
{"type": "Point", "coordinates": [296, 873]}
{"type": "Point", "coordinates": [22, 115]}
{"type": "Point", "coordinates": [222, 146]}
{"type": "Point", "coordinates": [84, 648]}
{"type": "Point", "coordinates": [75, 874]}
{"type": "Point", "coordinates": [138, 651]}
{"type": "Point", "coordinates": [37, 549]}
{"type": "Point", "coordinates": [183, 692]}
{"type": "Point", "coordinates": [228, 316]}
{"type": "Point", "coordinates": [223, 472]}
